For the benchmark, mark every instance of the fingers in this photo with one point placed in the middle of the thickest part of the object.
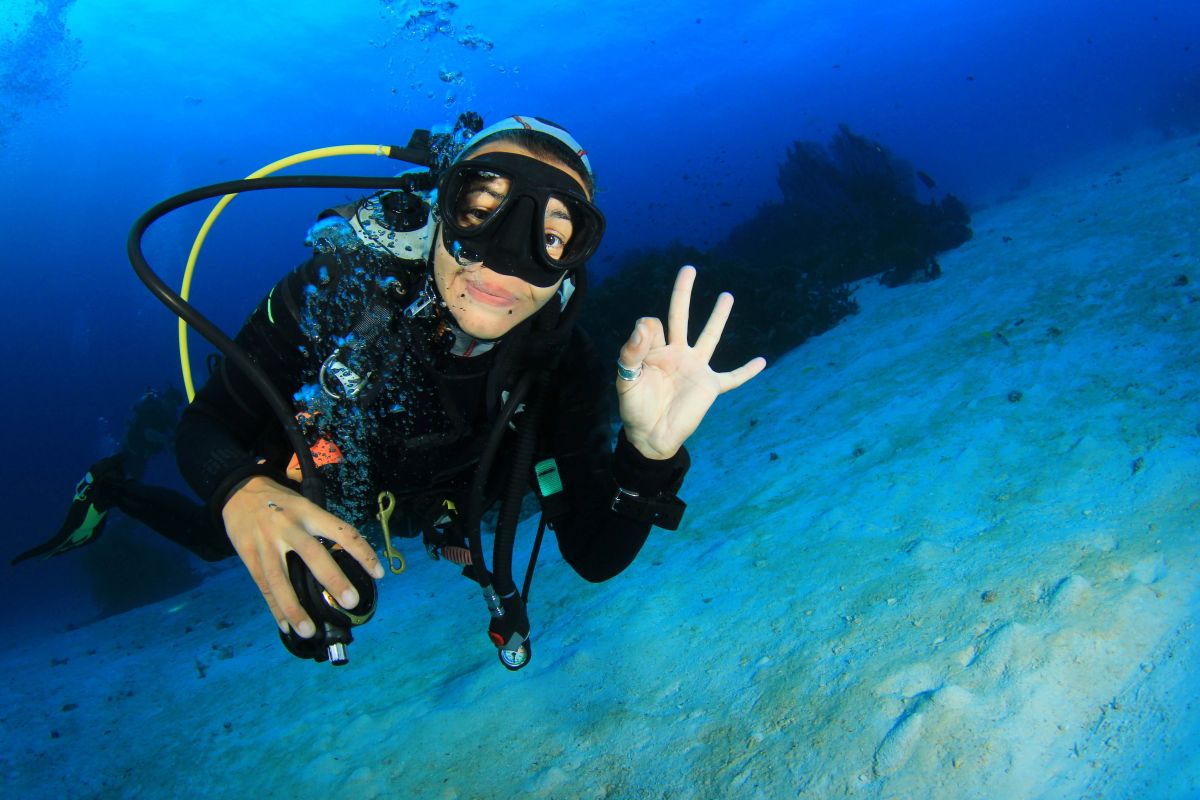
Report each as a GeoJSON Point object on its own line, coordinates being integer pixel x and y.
{"type": "Point", "coordinates": [279, 593]}
{"type": "Point", "coordinates": [326, 571]}
{"type": "Point", "coordinates": [319, 522]}
{"type": "Point", "coordinates": [266, 522]}
{"type": "Point", "coordinates": [309, 522]}
{"type": "Point", "coordinates": [652, 327]}
{"type": "Point", "coordinates": [647, 334]}
{"type": "Point", "coordinates": [254, 565]}
{"type": "Point", "coordinates": [732, 380]}
{"type": "Point", "coordinates": [710, 337]}
{"type": "Point", "coordinates": [681, 301]}
{"type": "Point", "coordinates": [634, 351]}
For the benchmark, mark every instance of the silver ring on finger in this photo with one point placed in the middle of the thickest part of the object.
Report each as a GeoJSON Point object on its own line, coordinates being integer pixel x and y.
{"type": "Point", "coordinates": [628, 373]}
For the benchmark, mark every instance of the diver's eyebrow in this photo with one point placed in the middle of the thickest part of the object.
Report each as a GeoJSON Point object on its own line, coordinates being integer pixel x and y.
{"type": "Point", "coordinates": [483, 189]}
{"type": "Point", "coordinates": [559, 214]}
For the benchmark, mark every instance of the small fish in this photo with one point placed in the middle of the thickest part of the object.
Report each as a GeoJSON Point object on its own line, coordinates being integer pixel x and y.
{"type": "Point", "coordinates": [925, 179]}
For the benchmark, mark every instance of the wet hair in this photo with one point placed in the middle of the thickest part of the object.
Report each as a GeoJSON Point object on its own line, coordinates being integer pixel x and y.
{"type": "Point", "coordinates": [542, 146]}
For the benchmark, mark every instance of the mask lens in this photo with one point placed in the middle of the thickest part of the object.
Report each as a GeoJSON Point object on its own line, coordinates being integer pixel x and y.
{"type": "Point", "coordinates": [480, 195]}
{"type": "Point", "coordinates": [558, 228]}
{"type": "Point", "coordinates": [571, 230]}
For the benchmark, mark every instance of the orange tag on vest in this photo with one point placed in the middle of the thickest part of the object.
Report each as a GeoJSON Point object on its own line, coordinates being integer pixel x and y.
{"type": "Point", "coordinates": [324, 451]}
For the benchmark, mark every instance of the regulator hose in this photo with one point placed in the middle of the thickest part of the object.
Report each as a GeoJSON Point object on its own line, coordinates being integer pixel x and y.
{"type": "Point", "coordinates": [311, 485]}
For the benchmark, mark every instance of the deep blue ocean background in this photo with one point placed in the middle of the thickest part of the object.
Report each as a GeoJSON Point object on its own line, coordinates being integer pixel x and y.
{"type": "Point", "coordinates": [946, 549]}
{"type": "Point", "coordinates": [686, 109]}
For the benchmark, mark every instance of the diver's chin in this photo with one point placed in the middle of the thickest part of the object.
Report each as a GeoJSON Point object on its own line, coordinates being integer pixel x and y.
{"type": "Point", "coordinates": [484, 322]}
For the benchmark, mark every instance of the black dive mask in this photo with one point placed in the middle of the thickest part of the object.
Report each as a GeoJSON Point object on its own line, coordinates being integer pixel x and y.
{"type": "Point", "coordinates": [519, 216]}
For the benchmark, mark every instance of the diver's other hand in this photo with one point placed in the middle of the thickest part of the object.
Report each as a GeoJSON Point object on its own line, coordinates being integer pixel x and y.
{"type": "Point", "coordinates": [265, 521]}
{"type": "Point", "coordinates": [665, 404]}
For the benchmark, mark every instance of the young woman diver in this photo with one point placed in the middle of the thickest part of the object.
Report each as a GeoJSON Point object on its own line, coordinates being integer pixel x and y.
{"type": "Point", "coordinates": [430, 350]}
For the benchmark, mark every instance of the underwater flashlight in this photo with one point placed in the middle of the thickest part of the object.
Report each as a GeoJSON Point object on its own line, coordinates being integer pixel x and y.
{"type": "Point", "coordinates": [332, 619]}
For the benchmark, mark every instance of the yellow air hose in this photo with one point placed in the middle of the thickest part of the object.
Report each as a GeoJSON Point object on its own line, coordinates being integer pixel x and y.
{"type": "Point", "coordinates": [299, 158]}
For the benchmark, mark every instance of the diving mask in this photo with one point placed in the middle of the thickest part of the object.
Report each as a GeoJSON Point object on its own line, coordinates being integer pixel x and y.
{"type": "Point", "coordinates": [519, 216]}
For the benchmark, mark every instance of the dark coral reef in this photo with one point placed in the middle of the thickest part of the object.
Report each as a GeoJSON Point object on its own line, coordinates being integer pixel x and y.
{"type": "Point", "coordinates": [849, 212]}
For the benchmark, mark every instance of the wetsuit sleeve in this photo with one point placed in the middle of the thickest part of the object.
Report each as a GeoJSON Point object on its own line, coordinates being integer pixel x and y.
{"type": "Point", "coordinates": [595, 540]}
{"type": "Point", "coordinates": [228, 431]}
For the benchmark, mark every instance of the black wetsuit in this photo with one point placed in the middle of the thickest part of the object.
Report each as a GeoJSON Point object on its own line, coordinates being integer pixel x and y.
{"type": "Point", "coordinates": [419, 427]}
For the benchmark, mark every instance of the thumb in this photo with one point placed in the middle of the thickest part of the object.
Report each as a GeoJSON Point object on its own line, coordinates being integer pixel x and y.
{"type": "Point", "coordinates": [636, 347]}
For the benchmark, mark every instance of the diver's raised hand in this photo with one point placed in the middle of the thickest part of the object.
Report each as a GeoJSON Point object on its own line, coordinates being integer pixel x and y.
{"type": "Point", "coordinates": [265, 521]}
{"type": "Point", "coordinates": [672, 384]}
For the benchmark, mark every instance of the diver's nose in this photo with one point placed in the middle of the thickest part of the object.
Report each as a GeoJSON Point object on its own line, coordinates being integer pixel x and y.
{"type": "Point", "coordinates": [511, 248]}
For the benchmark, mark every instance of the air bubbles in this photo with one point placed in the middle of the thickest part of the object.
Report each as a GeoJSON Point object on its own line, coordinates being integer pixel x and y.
{"type": "Point", "coordinates": [473, 41]}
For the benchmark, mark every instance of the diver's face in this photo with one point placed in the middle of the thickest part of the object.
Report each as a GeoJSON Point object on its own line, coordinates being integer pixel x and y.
{"type": "Point", "coordinates": [487, 304]}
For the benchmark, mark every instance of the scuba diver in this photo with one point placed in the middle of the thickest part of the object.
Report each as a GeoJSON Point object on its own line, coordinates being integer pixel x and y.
{"type": "Point", "coordinates": [114, 482]}
{"type": "Point", "coordinates": [430, 354]}
{"type": "Point", "coordinates": [402, 343]}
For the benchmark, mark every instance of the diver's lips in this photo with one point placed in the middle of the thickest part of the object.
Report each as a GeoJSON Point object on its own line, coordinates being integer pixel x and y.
{"type": "Point", "coordinates": [490, 295]}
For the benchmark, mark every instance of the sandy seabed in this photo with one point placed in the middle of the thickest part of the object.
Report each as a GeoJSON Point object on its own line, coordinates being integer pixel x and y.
{"type": "Point", "coordinates": [948, 549]}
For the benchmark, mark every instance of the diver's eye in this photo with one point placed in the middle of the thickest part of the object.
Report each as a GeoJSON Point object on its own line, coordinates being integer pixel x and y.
{"type": "Point", "coordinates": [475, 209]}
{"type": "Point", "coordinates": [557, 228]}
{"type": "Point", "coordinates": [479, 198]}
{"type": "Point", "coordinates": [554, 245]}
{"type": "Point", "coordinates": [474, 216]}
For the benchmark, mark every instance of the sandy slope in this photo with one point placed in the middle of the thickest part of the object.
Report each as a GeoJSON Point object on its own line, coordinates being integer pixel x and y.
{"type": "Point", "coordinates": [948, 549]}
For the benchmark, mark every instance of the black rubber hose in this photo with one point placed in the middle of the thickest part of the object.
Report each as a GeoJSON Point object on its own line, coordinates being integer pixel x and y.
{"type": "Point", "coordinates": [510, 505]}
{"type": "Point", "coordinates": [311, 485]}
{"type": "Point", "coordinates": [479, 483]}
{"type": "Point", "coordinates": [533, 557]}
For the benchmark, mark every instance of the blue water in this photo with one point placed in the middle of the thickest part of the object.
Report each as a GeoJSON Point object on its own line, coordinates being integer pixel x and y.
{"type": "Point", "coordinates": [686, 109]}
{"type": "Point", "coordinates": [774, 645]}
